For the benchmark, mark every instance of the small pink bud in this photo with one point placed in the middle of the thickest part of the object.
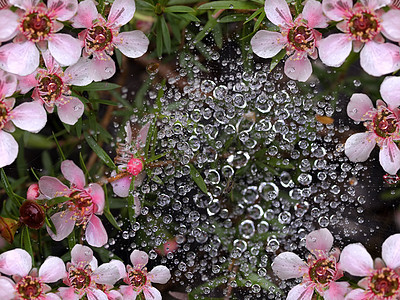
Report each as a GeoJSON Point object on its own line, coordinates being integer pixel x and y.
{"type": "Point", "coordinates": [33, 192]}
{"type": "Point", "coordinates": [135, 166]}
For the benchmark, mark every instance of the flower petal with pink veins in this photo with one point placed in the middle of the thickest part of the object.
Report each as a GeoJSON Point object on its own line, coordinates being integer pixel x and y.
{"type": "Point", "coordinates": [127, 292]}
{"type": "Point", "coordinates": [24, 4]}
{"type": "Point", "coordinates": [391, 251]}
{"type": "Point", "coordinates": [139, 259]}
{"type": "Point", "coordinates": [114, 295]}
{"type": "Point", "coordinates": [73, 173]}
{"type": "Point", "coordinates": [358, 146]}
{"type": "Point", "coordinates": [26, 83]}
{"type": "Point", "coordinates": [81, 255]}
{"type": "Point", "coordinates": [389, 157]}
{"type": "Point", "coordinates": [107, 273]}
{"type": "Point", "coordinates": [102, 69]}
{"type": "Point", "coordinates": [121, 12]}
{"type": "Point", "coordinates": [97, 193]}
{"type": "Point", "coordinates": [121, 268]}
{"type": "Point", "coordinates": [21, 59]}
{"type": "Point", "coordinates": [52, 270]}
{"type": "Point", "coordinates": [15, 262]}
{"type": "Point", "coordinates": [159, 274]}
{"type": "Point", "coordinates": [132, 44]}
{"type": "Point", "coordinates": [121, 186]}
{"type": "Point", "coordinates": [390, 91]}
{"type": "Point", "coordinates": [7, 290]}
{"type": "Point", "coordinates": [278, 12]}
{"type": "Point", "coordinates": [375, 4]}
{"type": "Point", "coordinates": [8, 25]}
{"type": "Point", "coordinates": [355, 260]}
{"type": "Point", "coordinates": [298, 68]}
{"type": "Point", "coordinates": [357, 294]}
{"type": "Point", "coordinates": [8, 83]}
{"type": "Point", "coordinates": [29, 116]}
{"type": "Point", "coordinates": [51, 187]}
{"type": "Point", "coordinates": [358, 106]}
{"type": "Point", "coordinates": [303, 291]}
{"type": "Point", "coordinates": [312, 12]}
{"type": "Point", "coordinates": [52, 296]}
{"type": "Point", "coordinates": [87, 13]}
{"type": "Point", "coordinates": [64, 223]}
{"type": "Point", "coordinates": [79, 74]}
{"type": "Point", "coordinates": [319, 240]}
{"type": "Point", "coordinates": [96, 294]}
{"type": "Point", "coordinates": [63, 10]}
{"type": "Point", "coordinates": [8, 149]}
{"type": "Point", "coordinates": [142, 136]}
{"type": "Point", "coordinates": [289, 265]}
{"type": "Point", "coordinates": [390, 25]}
{"type": "Point", "coordinates": [65, 49]}
{"type": "Point", "coordinates": [334, 49]}
{"type": "Point", "coordinates": [379, 59]}
{"type": "Point", "coordinates": [267, 44]}
{"type": "Point", "coordinates": [96, 234]}
{"type": "Point", "coordinates": [337, 9]}
{"type": "Point", "coordinates": [71, 111]}
{"type": "Point", "coordinates": [336, 290]}
{"type": "Point", "coordinates": [68, 293]}
{"type": "Point", "coordinates": [151, 293]}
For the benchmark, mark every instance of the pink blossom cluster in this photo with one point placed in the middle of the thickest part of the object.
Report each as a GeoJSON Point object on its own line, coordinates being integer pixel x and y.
{"type": "Point", "coordinates": [364, 27]}
{"type": "Point", "coordinates": [80, 278]}
{"type": "Point", "coordinates": [33, 29]}
{"type": "Point", "coordinates": [324, 268]}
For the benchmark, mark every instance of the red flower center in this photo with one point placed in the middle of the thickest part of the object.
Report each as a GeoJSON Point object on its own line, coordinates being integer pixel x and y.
{"type": "Point", "coordinates": [301, 38]}
{"type": "Point", "coordinates": [137, 278]}
{"type": "Point", "coordinates": [99, 38]}
{"type": "Point", "coordinates": [322, 271]}
{"type": "Point", "coordinates": [80, 278]}
{"type": "Point", "coordinates": [36, 26]}
{"type": "Point", "coordinates": [384, 282]}
{"type": "Point", "coordinates": [363, 26]}
{"type": "Point", "coordinates": [29, 288]}
{"type": "Point", "coordinates": [31, 214]}
{"type": "Point", "coordinates": [385, 122]}
{"type": "Point", "coordinates": [50, 88]}
{"type": "Point", "coordinates": [3, 115]}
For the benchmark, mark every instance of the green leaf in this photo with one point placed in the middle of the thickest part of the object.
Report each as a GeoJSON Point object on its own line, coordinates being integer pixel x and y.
{"type": "Point", "coordinates": [179, 8]}
{"type": "Point", "coordinates": [51, 225]}
{"type": "Point", "coordinates": [157, 179]}
{"type": "Point", "coordinates": [143, 5]}
{"type": "Point", "coordinates": [217, 34]}
{"type": "Point", "coordinates": [156, 157]}
{"type": "Point", "coordinates": [71, 240]}
{"type": "Point", "coordinates": [83, 166]}
{"type": "Point", "coordinates": [165, 33]}
{"type": "Point", "coordinates": [26, 241]}
{"type": "Point", "coordinates": [259, 20]}
{"type": "Point", "coordinates": [7, 186]}
{"type": "Point", "coordinates": [98, 86]}
{"type": "Point", "coordinates": [177, 2]}
{"type": "Point", "coordinates": [229, 5]}
{"type": "Point", "coordinates": [186, 17]}
{"type": "Point", "coordinates": [198, 179]}
{"type": "Point", "coordinates": [107, 211]}
{"type": "Point", "coordinates": [255, 14]}
{"type": "Point", "coordinates": [59, 148]}
{"type": "Point", "coordinates": [54, 201]}
{"type": "Point", "coordinates": [276, 59]}
{"type": "Point", "coordinates": [233, 18]}
{"type": "Point", "coordinates": [99, 151]}
{"type": "Point", "coordinates": [159, 38]}
{"type": "Point", "coordinates": [264, 283]}
{"type": "Point", "coordinates": [131, 201]}
{"type": "Point", "coordinates": [207, 28]}
{"type": "Point", "coordinates": [105, 102]}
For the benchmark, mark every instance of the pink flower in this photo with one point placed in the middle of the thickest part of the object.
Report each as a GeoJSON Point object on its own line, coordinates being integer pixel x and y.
{"type": "Point", "coordinates": [84, 203]}
{"type": "Point", "coordinates": [298, 36]}
{"type": "Point", "coordinates": [380, 282]}
{"type": "Point", "coordinates": [37, 25]}
{"type": "Point", "coordinates": [84, 277]}
{"type": "Point", "coordinates": [362, 26]}
{"type": "Point", "coordinates": [382, 124]}
{"type": "Point", "coordinates": [139, 280]}
{"type": "Point", "coordinates": [27, 116]}
{"type": "Point", "coordinates": [101, 36]}
{"type": "Point", "coordinates": [319, 273]}
{"type": "Point", "coordinates": [29, 284]}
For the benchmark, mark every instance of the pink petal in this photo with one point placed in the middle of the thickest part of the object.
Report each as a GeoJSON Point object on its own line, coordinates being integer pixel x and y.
{"type": "Point", "coordinates": [63, 10]}
{"type": "Point", "coordinates": [7, 290]}
{"type": "Point", "coordinates": [121, 12]}
{"type": "Point", "coordinates": [102, 69]}
{"type": "Point", "coordinates": [391, 251]}
{"type": "Point", "coordinates": [288, 265]}
{"type": "Point", "coordinates": [375, 4]}
{"type": "Point", "coordinates": [81, 255]}
{"type": "Point", "coordinates": [73, 173]}
{"type": "Point", "coordinates": [337, 9]}
{"type": "Point", "coordinates": [68, 293]}
{"type": "Point", "coordinates": [114, 295]}
{"type": "Point", "coordinates": [139, 259]}
{"type": "Point", "coordinates": [65, 49]}
{"type": "Point", "coordinates": [26, 83]}
{"type": "Point", "coordinates": [267, 44]}
{"type": "Point", "coordinates": [379, 59]}
{"type": "Point", "coordinates": [142, 136]}
{"type": "Point", "coordinates": [303, 291]}
{"type": "Point", "coordinates": [52, 296]}
{"type": "Point", "coordinates": [389, 157]}
{"type": "Point", "coordinates": [390, 91]}
{"type": "Point", "coordinates": [29, 116]}
{"type": "Point", "coordinates": [121, 186]}
{"type": "Point", "coordinates": [71, 110]}
{"type": "Point", "coordinates": [312, 12]}
{"type": "Point", "coordinates": [95, 294]}
{"type": "Point", "coordinates": [359, 146]}
{"type": "Point", "coordinates": [278, 12]}
{"type": "Point", "coordinates": [151, 293]}
{"type": "Point", "coordinates": [8, 25]}
{"type": "Point", "coordinates": [355, 260]}
{"type": "Point", "coordinates": [390, 25]}
{"type": "Point", "coordinates": [11, 54]}
{"type": "Point", "coordinates": [319, 240]}
{"type": "Point", "coordinates": [298, 68]}
{"type": "Point", "coordinates": [8, 83]}
{"type": "Point", "coordinates": [357, 294]}
{"type": "Point", "coordinates": [128, 132]}
{"type": "Point", "coordinates": [52, 270]}
{"type": "Point", "coordinates": [132, 44]}
{"type": "Point", "coordinates": [120, 266]}
{"type": "Point", "coordinates": [107, 273]}
{"type": "Point", "coordinates": [64, 224]}
{"type": "Point", "coordinates": [8, 149]}
{"type": "Point", "coordinates": [24, 4]}
{"type": "Point", "coordinates": [96, 234]}
{"type": "Point", "coordinates": [15, 262]}
{"type": "Point", "coordinates": [159, 274]}
{"type": "Point", "coordinates": [336, 290]}
{"type": "Point", "coordinates": [97, 193]}
{"type": "Point", "coordinates": [334, 49]}
{"type": "Point", "coordinates": [52, 187]}
{"type": "Point", "coordinates": [358, 106]}
{"type": "Point", "coordinates": [86, 14]}
{"type": "Point", "coordinates": [128, 293]}
{"type": "Point", "coordinates": [79, 74]}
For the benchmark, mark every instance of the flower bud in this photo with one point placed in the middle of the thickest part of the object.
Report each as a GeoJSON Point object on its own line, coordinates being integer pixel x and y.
{"type": "Point", "coordinates": [135, 166]}
{"type": "Point", "coordinates": [33, 192]}
{"type": "Point", "coordinates": [8, 227]}
{"type": "Point", "coordinates": [31, 214]}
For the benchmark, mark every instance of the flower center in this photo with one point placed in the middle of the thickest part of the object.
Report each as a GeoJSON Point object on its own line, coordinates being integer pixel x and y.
{"type": "Point", "coordinates": [301, 38]}
{"type": "Point", "coordinates": [385, 123]}
{"type": "Point", "coordinates": [137, 278]}
{"type": "Point", "coordinates": [36, 26]}
{"type": "Point", "coordinates": [98, 38]}
{"type": "Point", "coordinates": [384, 282]}
{"type": "Point", "coordinates": [50, 88]}
{"type": "Point", "coordinates": [363, 26]}
{"type": "Point", "coordinates": [135, 166]}
{"type": "Point", "coordinates": [80, 278]}
{"type": "Point", "coordinates": [3, 115]}
{"type": "Point", "coordinates": [322, 271]}
{"type": "Point", "coordinates": [31, 214]}
{"type": "Point", "coordinates": [29, 288]}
